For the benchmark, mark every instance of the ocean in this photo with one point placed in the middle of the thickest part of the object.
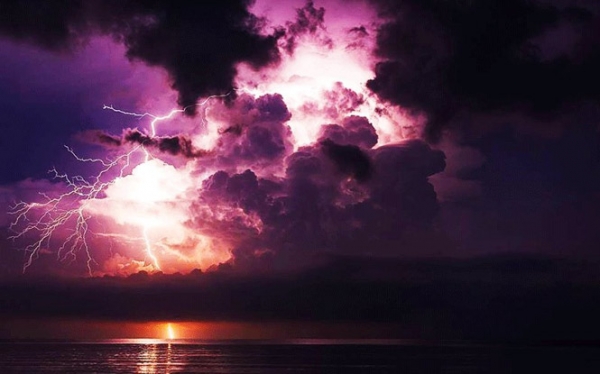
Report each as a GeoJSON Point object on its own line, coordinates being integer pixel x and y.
{"type": "Point", "coordinates": [296, 356]}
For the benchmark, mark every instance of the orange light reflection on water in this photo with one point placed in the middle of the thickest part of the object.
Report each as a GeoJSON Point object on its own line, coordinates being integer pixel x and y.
{"type": "Point", "coordinates": [155, 359]}
{"type": "Point", "coordinates": [148, 356]}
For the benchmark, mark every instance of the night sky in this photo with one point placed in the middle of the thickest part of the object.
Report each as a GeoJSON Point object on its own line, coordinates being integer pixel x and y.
{"type": "Point", "coordinates": [408, 169]}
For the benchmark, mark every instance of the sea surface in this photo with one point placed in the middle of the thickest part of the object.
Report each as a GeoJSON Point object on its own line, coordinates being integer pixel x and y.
{"type": "Point", "coordinates": [298, 356]}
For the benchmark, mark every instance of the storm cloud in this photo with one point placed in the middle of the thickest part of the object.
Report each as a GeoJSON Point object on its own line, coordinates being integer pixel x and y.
{"type": "Point", "coordinates": [530, 300]}
{"type": "Point", "coordinates": [337, 194]}
{"type": "Point", "coordinates": [447, 177]}
{"type": "Point", "coordinates": [445, 57]}
{"type": "Point", "coordinates": [179, 145]}
{"type": "Point", "coordinates": [159, 33]}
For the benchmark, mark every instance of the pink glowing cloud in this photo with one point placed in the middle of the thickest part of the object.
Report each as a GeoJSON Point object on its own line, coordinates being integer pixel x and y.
{"type": "Point", "coordinates": [299, 152]}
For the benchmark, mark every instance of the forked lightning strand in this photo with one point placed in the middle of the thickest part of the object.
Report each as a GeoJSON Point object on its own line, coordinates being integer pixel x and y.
{"type": "Point", "coordinates": [66, 209]}
{"type": "Point", "coordinates": [155, 119]}
{"type": "Point", "coordinates": [45, 218]}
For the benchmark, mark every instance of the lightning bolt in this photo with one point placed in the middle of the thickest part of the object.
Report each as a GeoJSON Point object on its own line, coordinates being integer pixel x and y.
{"type": "Point", "coordinates": [60, 211]}
{"type": "Point", "coordinates": [67, 210]}
{"type": "Point", "coordinates": [155, 119]}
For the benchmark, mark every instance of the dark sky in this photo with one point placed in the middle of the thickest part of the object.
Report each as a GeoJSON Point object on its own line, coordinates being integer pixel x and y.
{"type": "Point", "coordinates": [418, 163]}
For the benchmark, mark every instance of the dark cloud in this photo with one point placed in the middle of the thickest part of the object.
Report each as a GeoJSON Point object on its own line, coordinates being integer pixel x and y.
{"type": "Point", "coordinates": [513, 83]}
{"type": "Point", "coordinates": [198, 44]}
{"type": "Point", "coordinates": [303, 163]}
{"type": "Point", "coordinates": [52, 25]}
{"type": "Point", "coordinates": [414, 157]}
{"type": "Point", "coordinates": [360, 31]}
{"type": "Point", "coordinates": [537, 194]}
{"type": "Point", "coordinates": [349, 159]}
{"type": "Point", "coordinates": [354, 130]}
{"type": "Point", "coordinates": [358, 37]}
{"type": "Point", "coordinates": [520, 298]}
{"type": "Point", "coordinates": [258, 133]}
{"type": "Point", "coordinates": [402, 193]}
{"type": "Point", "coordinates": [178, 145]}
{"type": "Point", "coordinates": [441, 57]}
{"type": "Point", "coordinates": [338, 198]}
{"type": "Point", "coordinates": [99, 136]}
{"type": "Point", "coordinates": [309, 21]}
{"type": "Point", "coordinates": [239, 190]}
{"type": "Point", "coordinates": [173, 145]}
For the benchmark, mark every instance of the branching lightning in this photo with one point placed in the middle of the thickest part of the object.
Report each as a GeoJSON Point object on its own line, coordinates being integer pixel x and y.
{"type": "Point", "coordinates": [155, 119]}
{"type": "Point", "coordinates": [67, 210]}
